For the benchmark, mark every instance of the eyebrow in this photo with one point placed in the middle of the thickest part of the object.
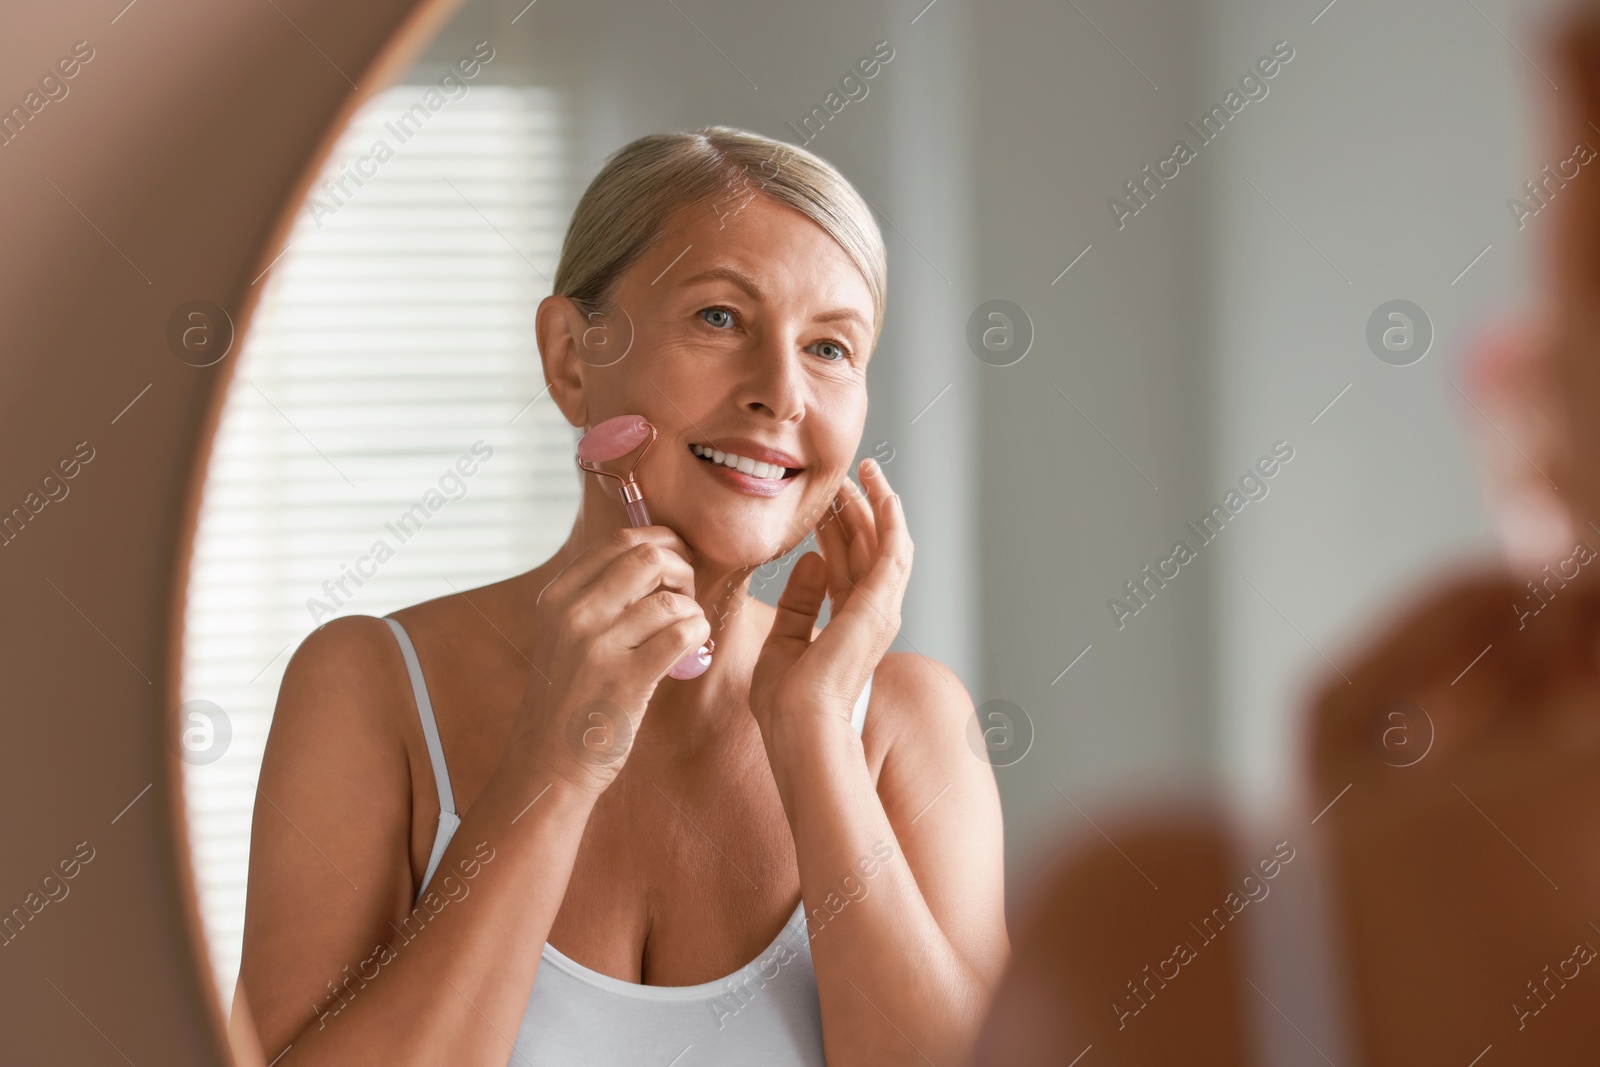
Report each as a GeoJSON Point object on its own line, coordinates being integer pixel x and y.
{"type": "Point", "coordinates": [739, 279]}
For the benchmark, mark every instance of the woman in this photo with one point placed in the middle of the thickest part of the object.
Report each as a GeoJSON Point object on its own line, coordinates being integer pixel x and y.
{"type": "Point", "coordinates": [491, 828]}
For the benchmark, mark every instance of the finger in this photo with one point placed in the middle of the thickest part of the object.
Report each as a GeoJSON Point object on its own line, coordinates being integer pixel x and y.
{"type": "Point", "coordinates": [801, 601]}
{"type": "Point", "coordinates": [671, 644]}
{"type": "Point", "coordinates": [892, 538]}
{"type": "Point", "coordinates": [593, 561]}
{"type": "Point", "coordinates": [883, 586]}
{"type": "Point", "coordinates": [858, 519]}
{"type": "Point", "coordinates": [650, 616]}
{"type": "Point", "coordinates": [637, 572]}
{"type": "Point", "coordinates": [834, 541]}
{"type": "Point", "coordinates": [863, 549]}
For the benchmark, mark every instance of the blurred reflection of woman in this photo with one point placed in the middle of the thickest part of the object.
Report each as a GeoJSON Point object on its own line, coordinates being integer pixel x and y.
{"type": "Point", "coordinates": [796, 855]}
{"type": "Point", "coordinates": [1497, 666]}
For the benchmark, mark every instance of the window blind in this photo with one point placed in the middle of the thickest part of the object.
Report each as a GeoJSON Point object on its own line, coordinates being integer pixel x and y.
{"type": "Point", "coordinates": [394, 335]}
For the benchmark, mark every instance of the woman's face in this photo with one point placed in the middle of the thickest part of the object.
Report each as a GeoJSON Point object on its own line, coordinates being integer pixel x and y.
{"type": "Point", "coordinates": [745, 328]}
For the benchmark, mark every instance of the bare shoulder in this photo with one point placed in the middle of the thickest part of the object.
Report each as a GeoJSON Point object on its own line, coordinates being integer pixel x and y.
{"type": "Point", "coordinates": [339, 708]}
{"type": "Point", "coordinates": [915, 701]}
{"type": "Point", "coordinates": [352, 649]}
{"type": "Point", "coordinates": [346, 677]}
{"type": "Point", "coordinates": [470, 627]}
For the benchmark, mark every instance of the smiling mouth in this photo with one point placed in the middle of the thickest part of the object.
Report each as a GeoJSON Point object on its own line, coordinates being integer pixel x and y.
{"type": "Point", "coordinates": [754, 468]}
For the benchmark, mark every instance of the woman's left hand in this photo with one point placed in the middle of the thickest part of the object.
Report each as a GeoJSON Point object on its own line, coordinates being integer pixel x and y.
{"type": "Point", "coordinates": [863, 570]}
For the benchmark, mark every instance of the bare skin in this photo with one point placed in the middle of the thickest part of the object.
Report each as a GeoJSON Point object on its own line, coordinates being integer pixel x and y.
{"type": "Point", "coordinates": [678, 861]}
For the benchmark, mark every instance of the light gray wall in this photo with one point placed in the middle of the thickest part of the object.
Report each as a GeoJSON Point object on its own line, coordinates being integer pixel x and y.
{"type": "Point", "coordinates": [1080, 491]}
{"type": "Point", "coordinates": [1390, 143]}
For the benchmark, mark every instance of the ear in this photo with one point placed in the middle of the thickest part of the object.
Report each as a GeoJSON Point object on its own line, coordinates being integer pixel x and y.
{"type": "Point", "coordinates": [560, 326]}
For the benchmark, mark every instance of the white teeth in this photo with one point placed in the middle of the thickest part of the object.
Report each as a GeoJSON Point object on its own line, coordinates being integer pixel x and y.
{"type": "Point", "coordinates": [753, 467]}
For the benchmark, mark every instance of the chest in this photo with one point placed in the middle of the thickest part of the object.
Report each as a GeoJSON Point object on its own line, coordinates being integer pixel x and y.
{"type": "Point", "coordinates": [686, 869]}
{"type": "Point", "coordinates": [679, 886]}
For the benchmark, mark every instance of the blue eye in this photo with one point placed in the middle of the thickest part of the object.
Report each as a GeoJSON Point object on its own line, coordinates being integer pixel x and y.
{"type": "Point", "coordinates": [837, 348]}
{"type": "Point", "coordinates": [707, 312]}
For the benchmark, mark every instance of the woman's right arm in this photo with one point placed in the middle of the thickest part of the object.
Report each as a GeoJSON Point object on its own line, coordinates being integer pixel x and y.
{"type": "Point", "coordinates": [330, 878]}
{"type": "Point", "coordinates": [337, 966]}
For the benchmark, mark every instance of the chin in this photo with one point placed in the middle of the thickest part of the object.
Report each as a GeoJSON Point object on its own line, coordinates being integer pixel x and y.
{"type": "Point", "coordinates": [734, 544]}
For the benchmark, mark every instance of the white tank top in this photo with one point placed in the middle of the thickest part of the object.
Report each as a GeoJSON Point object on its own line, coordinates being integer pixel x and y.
{"type": "Point", "coordinates": [766, 1012]}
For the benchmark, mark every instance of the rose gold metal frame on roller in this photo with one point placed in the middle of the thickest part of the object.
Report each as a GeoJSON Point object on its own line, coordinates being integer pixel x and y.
{"type": "Point", "coordinates": [632, 495]}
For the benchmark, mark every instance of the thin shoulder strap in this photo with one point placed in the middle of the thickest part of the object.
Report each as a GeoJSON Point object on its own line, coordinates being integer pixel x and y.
{"type": "Point", "coordinates": [858, 717]}
{"type": "Point", "coordinates": [448, 819]}
{"type": "Point", "coordinates": [430, 727]}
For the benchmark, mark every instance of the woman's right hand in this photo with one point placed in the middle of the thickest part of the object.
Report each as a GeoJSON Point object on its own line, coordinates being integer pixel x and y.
{"type": "Point", "coordinates": [609, 628]}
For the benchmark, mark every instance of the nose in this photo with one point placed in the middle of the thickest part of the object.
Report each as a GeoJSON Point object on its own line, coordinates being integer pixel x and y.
{"type": "Point", "coordinates": [775, 384]}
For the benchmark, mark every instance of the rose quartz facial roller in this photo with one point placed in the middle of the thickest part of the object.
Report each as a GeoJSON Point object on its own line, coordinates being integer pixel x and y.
{"type": "Point", "coordinates": [611, 440]}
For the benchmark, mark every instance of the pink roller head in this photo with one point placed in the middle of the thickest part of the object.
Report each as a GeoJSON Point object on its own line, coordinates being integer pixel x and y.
{"type": "Point", "coordinates": [693, 664]}
{"type": "Point", "coordinates": [614, 437]}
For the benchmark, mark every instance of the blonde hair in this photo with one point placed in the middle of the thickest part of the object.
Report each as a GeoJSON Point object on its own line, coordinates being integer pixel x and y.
{"type": "Point", "coordinates": [625, 207]}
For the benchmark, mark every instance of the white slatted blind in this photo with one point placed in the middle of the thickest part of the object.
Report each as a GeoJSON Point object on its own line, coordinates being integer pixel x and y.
{"type": "Point", "coordinates": [396, 331]}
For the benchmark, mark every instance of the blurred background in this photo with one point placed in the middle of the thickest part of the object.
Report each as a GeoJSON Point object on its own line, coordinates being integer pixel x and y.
{"type": "Point", "coordinates": [1154, 342]}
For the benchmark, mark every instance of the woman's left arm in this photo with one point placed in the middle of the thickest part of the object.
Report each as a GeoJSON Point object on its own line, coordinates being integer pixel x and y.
{"type": "Point", "coordinates": [903, 884]}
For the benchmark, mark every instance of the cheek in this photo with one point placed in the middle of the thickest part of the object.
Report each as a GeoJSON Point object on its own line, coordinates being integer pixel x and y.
{"type": "Point", "coordinates": [839, 443]}
{"type": "Point", "coordinates": [681, 383]}
{"type": "Point", "coordinates": [674, 401]}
